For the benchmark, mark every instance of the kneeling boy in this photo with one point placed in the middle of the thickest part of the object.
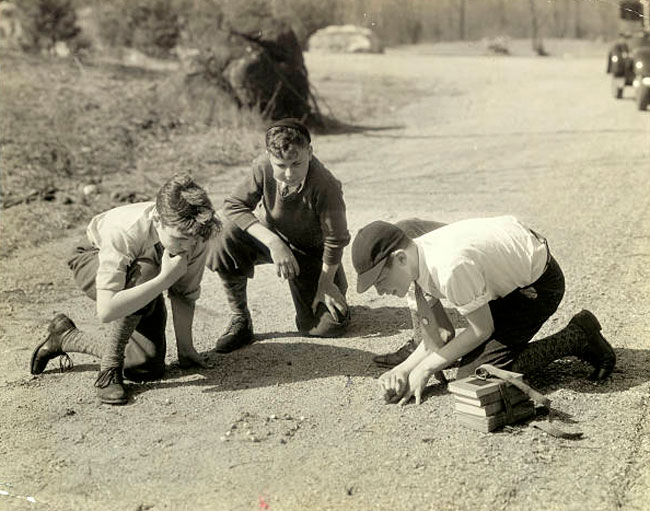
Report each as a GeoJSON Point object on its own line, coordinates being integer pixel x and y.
{"type": "Point", "coordinates": [497, 273]}
{"type": "Point", "coordinates": [301, 229]}
{"type": "Point", "coordinates": [135, 253]}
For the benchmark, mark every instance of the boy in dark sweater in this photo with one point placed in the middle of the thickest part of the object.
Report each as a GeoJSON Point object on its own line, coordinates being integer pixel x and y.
{"type": "Point", "coordinates": [301, 228]}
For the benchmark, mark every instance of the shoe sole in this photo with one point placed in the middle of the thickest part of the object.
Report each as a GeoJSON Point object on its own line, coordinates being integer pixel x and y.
{"type": "Point", "coordinates": [384, 364]}
{"type": "Point", "coordinates": [115, 402]}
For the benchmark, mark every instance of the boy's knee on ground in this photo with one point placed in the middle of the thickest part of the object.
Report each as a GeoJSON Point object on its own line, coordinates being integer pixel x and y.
{"type": "Point", "coordinates": [323, 324]}
{"type": "Point", "coordinates": [143, 360]}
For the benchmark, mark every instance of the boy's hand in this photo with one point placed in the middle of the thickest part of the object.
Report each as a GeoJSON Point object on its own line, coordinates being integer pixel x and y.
{"type": "Point", "coordinates": [191, 358]}
{"type": "Point", "coordinates": [329, 294]}
{"type": "Point", "coordinates": [285, 262]}
{"type": "Point", "coordinates": [417, 381]}
{"type": "Point", "coordinates": [172, 267]}
{"type": "Point", "coordinates": [393, 383]}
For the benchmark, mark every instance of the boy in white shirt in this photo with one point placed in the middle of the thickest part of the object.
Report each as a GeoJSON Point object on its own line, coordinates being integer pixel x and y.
{"type": "Point", "coordinates": [136, 252]}
{"type": "Point", "coordinates": [500, 276]}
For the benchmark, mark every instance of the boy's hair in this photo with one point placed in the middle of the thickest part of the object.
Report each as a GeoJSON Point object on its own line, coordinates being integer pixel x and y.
{"type": "Point", "coordinates": [285, 137]}
{"type": "Point", "coordinates": [184, 204]}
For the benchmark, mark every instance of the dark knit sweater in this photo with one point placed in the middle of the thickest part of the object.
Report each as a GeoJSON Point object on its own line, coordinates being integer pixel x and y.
{"type": "Point", "coordinates": [312, 220]}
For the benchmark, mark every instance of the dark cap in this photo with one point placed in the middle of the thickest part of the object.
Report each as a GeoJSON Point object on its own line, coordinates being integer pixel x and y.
{"type": "Point", "coordinates": [370, 248]}
{"type": "Point", "coordinates": [290, 122]}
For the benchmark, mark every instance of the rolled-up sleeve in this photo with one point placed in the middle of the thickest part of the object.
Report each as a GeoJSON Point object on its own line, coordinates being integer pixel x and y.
{"type": "Point", "coordinates": [113, 262]}
{"type": "Point", "coordinates": [188, 287]}
{"type": "Point", "coordinates": [465, 287]}
{"type": "Point", "coordinates": [241, 203]}
{"type": "Point", "coordinates": [334, 224]}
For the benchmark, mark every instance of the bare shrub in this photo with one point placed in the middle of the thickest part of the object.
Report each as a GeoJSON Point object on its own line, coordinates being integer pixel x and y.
{"type": "Point", "coordinates": [46, 22]}
{"type": "Point", "coordinates": [150, 26]}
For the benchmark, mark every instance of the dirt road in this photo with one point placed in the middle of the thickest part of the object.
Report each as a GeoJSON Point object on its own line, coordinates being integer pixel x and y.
{"type": "Point", "coordinates": [297, 424]}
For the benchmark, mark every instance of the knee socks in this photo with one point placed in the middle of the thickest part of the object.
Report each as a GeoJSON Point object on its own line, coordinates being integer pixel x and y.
{"type": "Point", "coordinates": [235, 288]}
{"type": "Point", "coordinates": [119, 334]}
{"type": "Point", "coordinates": [570, 341]}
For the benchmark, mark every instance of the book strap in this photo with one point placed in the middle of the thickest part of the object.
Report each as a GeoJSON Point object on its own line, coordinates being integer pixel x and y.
{"type": "Point", "coordinates": [507, 402]}
{"type": "Point", "coordinates": [485, 370]}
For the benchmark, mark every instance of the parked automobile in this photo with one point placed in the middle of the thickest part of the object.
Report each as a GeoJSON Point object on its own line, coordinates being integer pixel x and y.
{"type": "Point", "coordinates": [641, 83]}
{"type": "Point", "coordinates": [621, 63]}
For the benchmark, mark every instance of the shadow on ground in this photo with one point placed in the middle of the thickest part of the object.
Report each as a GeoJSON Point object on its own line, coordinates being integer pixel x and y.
{"type": "Point", "coordinates": [265, 364]}
{"type": "Point", "coordinates": [331, 126]}
{"type": "Point", "coordinates": [632, 369]}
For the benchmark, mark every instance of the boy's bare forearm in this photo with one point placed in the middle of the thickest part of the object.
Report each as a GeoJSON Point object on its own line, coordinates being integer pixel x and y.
{"type": "Point", "coordinates": [183, 316]}
{"type": "Point", "coordinates": [328, 272]}
{"type": "Point", "coordinates": [113, 305]}
{"type": "Point", "coordinates": [263, 234]}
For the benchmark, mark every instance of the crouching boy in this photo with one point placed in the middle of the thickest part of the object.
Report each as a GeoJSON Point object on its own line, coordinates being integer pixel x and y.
{"type": "Point", "coordinates": [500, 275]}
{"type": "Point", "coordinates": [136, 252]}
{"type": "Point", "coordinates": [301, 228]}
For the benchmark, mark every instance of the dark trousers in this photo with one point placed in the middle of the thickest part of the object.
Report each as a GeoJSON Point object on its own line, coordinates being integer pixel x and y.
{"type": "Point", "coordinates": [517, 316]}
{"type": "Point", "coordinates": [144, 357]}
{"type": "Point", "coordinates": [234, 253]}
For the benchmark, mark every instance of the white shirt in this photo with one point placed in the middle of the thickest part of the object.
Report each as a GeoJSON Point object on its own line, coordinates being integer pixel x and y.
{"type": "Point", "coordinates": [126, 233]}
{"type": "Point", "coordinates": [474, 261]}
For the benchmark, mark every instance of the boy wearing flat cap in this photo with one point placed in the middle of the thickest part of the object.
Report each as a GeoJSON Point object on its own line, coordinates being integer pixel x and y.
{"type": "Point", "coordinates": [500, 275]}
{"type": "Point", "coordinates": [300, 227]}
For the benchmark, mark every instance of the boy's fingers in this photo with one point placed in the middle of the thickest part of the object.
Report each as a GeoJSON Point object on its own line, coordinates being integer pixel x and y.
{"type": "Point", "coordinates": [330, 307]}
{"type": "Point", "coordinates": [405, 399]}
{"type": "Point", "coordinates": [418, 396]}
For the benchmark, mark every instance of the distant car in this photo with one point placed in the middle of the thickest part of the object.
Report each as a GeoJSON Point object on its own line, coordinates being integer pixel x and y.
{"type": "Point", "coordinates": [641, 83]}
{"type": "Point", "coordinates": [621, 61]}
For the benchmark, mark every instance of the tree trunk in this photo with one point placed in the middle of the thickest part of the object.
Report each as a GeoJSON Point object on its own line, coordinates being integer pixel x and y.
{"type": "Point", "coordinates": [461, 20]}
{"type": "Point", "coordinates": [538, 44]}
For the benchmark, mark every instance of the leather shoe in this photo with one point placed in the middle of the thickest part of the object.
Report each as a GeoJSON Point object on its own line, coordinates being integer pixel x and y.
{"type": "Point", "coordinates": [51, 347]}
{"type": "Point", "coordinates": [110, 386]}
{"type": "Point", "coordinates": [598, 352]}
{"type": "Point", "coordinates": [396, 357]}
{"type": "Point", "coordinates": [238, 334]}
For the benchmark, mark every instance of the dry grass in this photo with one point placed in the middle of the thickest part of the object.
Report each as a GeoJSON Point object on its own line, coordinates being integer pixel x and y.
{"type": "Point", "coordinates": [67, 124]}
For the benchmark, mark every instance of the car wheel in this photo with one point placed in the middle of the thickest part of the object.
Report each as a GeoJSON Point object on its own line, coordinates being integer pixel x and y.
{"type": "Point", "coordinates": [642, 97]}
{"type": "Point", "coordinates": [617, 90]}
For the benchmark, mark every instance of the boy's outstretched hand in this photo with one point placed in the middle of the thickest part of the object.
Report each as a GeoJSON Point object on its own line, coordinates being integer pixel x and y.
{"type": "Point", "coordinates": [416, 382]}
{"type": "Point", "coordinates": [399, 387]}
{"type": "Point", "coordinates": [329, 294]}
{"type": "Point", "coordinates": [393, 384]}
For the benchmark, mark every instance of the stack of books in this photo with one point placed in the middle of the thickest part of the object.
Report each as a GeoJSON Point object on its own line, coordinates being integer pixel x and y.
{"type": "Point", "coordinates": [479, 404]}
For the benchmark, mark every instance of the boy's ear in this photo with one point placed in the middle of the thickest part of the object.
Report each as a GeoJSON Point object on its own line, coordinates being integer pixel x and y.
{"type": "Point", "coordinates": [400, 256]}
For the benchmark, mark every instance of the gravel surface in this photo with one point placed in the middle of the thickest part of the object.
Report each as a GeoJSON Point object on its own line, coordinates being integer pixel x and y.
{"type": "Point", "coordinates": [292, 423]}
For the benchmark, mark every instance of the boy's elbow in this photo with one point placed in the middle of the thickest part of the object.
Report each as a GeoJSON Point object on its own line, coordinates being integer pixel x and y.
{"type": "Point", "coordinates": [485, 333]}
{"type": "Point", "coordinates": [104, 317]}
{"type": "Point", "coordinates": [104, 313]}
